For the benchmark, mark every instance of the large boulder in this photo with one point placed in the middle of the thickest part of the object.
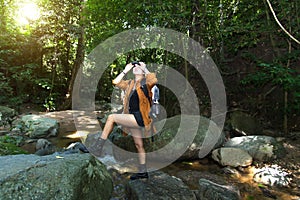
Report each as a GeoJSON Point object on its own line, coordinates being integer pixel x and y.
{"type": "Point", "coordinates": [6, 115]}
{"type": "Point", "coordinates": [261, 148]}
{"type": "Point", "coordinates": [207, 136]}
{"type": "Point", "coordinates": [244, 124]}
{"type": "Point", "coordinates": [65, 177]}
{"type": "Point", "coordinates": [233, 157]}
{"type": "Point", "coordinates": [39, 127]}
{"type": "Point", "coordinates": [159, 186]}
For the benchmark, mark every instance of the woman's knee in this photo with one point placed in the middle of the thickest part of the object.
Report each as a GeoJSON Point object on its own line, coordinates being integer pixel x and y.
{"type": "Point", "coordinates": [139, 146]}
{"type": "Point", "coordinates": [110, 118]}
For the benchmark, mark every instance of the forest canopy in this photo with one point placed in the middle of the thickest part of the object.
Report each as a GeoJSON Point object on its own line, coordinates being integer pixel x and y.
{"type": "Point", "coordinates": [43, 43]}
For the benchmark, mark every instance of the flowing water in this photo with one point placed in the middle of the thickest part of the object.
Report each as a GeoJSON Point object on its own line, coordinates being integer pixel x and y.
{"type": "Point", "coordinates": [191, 172]}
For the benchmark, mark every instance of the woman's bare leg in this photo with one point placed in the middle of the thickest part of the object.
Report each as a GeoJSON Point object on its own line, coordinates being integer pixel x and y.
{"type": "Point", "coordinates": [138, 141]}
{"type": "Point", "coordinates": [127, 120]}
{"type": "Point", "coordinates": [121, 119]}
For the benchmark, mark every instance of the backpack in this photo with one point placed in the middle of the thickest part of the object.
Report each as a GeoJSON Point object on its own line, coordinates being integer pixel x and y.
{"type": "Point", "coordinates": [154, 100]}
{"type": "Point", "coordinates": [154, 109]}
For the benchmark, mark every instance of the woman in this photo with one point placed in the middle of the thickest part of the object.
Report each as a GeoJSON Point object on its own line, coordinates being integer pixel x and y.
{"type": "Point", "coordinates": [135, 116]}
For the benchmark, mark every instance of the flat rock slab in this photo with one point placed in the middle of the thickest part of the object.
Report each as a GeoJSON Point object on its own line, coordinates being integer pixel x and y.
{"type": "Point", "coordinates": [159, 186]}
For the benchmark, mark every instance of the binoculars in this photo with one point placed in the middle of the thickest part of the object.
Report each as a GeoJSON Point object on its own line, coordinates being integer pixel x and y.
{"type": "Point", "coordinates": [135, 63]}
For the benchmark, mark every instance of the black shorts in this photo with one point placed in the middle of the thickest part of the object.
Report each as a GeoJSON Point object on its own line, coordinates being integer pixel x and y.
{"type": "Point", "coordinates": [138, 117]}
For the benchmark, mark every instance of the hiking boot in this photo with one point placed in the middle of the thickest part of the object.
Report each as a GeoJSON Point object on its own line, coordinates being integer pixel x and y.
{"type": "Point", "coordinates": [139, 176]}
{"type": "Point", "coordinates": [96, 148]}
{"type": "Point", "coordinates": [74, 147]}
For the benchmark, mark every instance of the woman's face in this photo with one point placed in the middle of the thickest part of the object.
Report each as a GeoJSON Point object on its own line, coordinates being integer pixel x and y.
{"type": "Point", "coordinates": [137, 70]}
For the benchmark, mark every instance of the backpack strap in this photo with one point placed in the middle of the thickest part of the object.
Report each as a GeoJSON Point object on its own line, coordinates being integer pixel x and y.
{"type": "Point", "coordinates": [145, 90]}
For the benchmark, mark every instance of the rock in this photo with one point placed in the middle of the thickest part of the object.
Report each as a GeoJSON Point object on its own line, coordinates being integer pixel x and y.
{"type": "Point", "coordinates": [192, 177]}
{"type": "Point", "coordinates": [42, 144]}
{"type": "Point", "coordinates": [40, 127]}
{"type": "Point", "coordinates": [68, 177]}
{"type": "Point", "coordinates": [76, 147]}
{"type": "Point", "coordinates": [267, 193]}
{"type": "Point", "coordinates": [261, 148]}
{"type": "Point", "coordinates": [232, 171]}
{"type": "Point", "coordinates": [5, 132]}
{"type": "Point", "coordinates": [272, 175]}
{"type": "Point", "coordinates": [294, 135]}
{"type": "Point", "coordinates": [205, 140]}
{"type": "Point", "coordinates": [46, 151]}
{"type": "Point", "coordinates": [159, 186]}
{"type": "Point", "coordinates": [209, 190]}
{"type": "Point", "coordinates": [44, 147]}
{"type": "Point", "coordinates": [233, 157]}
{"type": "Point", "coordinates": [6, 115]}
{"type": "Point", "coordinates": [244, 124]}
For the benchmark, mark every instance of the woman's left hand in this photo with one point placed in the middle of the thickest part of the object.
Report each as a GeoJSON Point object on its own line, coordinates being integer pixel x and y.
{"type": "Point", "coordinates": [143, 67]}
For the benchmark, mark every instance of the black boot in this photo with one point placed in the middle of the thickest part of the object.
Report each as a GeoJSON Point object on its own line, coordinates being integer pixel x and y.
{"type": "Point", "coordinates": [141, 174]}
{"type": "Point", "coordinates": [96, 148]}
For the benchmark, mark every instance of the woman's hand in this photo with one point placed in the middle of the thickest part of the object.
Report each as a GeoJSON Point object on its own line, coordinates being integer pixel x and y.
{"type": "Point", "coordinates": [143, 67]}
{"type": "Point", "coordinates": [128, 67]}
{"type": "Point", "coordinates": [117, 80]}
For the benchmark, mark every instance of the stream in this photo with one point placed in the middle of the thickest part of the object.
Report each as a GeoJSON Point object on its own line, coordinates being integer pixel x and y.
{"type": "Point", "coordinates": [189, 172]}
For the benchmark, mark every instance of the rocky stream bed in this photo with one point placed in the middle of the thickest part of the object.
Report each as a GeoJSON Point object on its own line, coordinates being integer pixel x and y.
{"type": "Point", "coordinates": [192, 176]}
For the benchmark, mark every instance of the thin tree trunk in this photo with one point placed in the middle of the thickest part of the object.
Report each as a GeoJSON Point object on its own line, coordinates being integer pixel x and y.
{"type": "Point", "coordinates": [78, 61]}
{"type": "Point", "coordinates": [286, 94]}
{"type": "Point", "coordinates": [184, 46]}
{"type": "Point", "coordinates": [221, 26]}
{"type": "Point", "coordinates": [80, 52]}
{"type": "Point", "coordinates": [269, 24]}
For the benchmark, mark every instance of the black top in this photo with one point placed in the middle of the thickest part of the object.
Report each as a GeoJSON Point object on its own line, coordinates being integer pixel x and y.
{"type": "Point", "coordinates": [134, 102]}
{"type": "Point", "coordinates": [134, 108]}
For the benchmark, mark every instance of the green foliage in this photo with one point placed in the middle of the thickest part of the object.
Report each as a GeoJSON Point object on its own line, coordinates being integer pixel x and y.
{"type": "Point", "coordinates": [280, 76]}
{"type": "Point", "coordinates": [9, 145]}
{"type": "Point", "coordinates": [273, 73]}
{"type": "Point", "coordinates": [9, 139]}
{"type": "Point", "coordinates": [5, 89]}
{"type": "Point", "coordinates": [10, 149]}
{"type": "Point", "coordinates": [250, 197]}
{"type": "Point", "coordinates": [38, 61]}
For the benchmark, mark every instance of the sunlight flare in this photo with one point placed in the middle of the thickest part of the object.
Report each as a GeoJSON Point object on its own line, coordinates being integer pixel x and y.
{"type": "Point", "coordinates": [27, 13]}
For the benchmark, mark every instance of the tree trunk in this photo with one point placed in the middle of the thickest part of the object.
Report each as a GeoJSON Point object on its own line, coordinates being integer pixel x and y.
{"type": "Point", "coordinates": [79, 59]}
{"type": "Point", "coordinates": [285, 117]}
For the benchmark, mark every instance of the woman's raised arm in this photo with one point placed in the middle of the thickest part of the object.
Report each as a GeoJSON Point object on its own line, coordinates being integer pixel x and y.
{"type": "Point", "coordinates": [122, 74]}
